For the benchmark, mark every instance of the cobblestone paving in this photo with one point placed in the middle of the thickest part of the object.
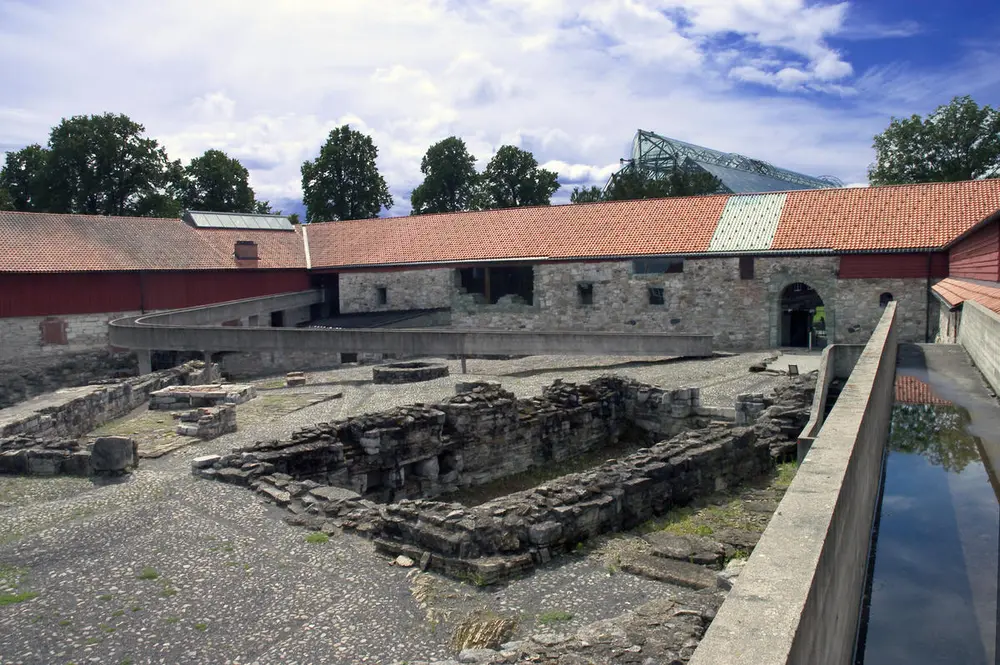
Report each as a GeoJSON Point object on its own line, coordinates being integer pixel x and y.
{"type": "Point", "coordinates": [164, 568]}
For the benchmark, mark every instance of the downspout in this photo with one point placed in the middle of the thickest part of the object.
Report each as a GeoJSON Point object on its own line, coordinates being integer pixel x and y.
{"type": "Point", "coordinates": [927, 313]}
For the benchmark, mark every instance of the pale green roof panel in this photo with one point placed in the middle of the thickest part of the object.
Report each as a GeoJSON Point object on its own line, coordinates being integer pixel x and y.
{"type": "Point", "coordinates": [748, 223]}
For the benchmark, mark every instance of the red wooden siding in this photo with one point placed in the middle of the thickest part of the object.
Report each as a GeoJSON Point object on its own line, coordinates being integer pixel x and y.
{"type": "Point", "coordinates": [57, 294]}
{"type": "Point", "coordinates": [187, 289]}
{"type": "Point", "coordinates": [67, 293]}
{"type": "Point", "coordinates": [887, 266]}
{"type": "Point", "coordinates": [978, 256]}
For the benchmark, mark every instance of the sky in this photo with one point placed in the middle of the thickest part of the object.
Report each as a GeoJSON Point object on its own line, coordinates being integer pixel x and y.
{"type": "Point", "coordinates": [804, 85]}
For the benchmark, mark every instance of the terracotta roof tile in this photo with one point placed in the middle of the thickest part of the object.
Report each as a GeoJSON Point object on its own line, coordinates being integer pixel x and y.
{"type": "Point", "coordinates": [621, 228]}
{"type": "Point", "coordinates": [956, 291]}
{"type": "Point", "coordinates": [911, 390]}
{"type": "Point", "coordinates": [43, 242]}
{"type": "Point", "coordinates": [874, 218]}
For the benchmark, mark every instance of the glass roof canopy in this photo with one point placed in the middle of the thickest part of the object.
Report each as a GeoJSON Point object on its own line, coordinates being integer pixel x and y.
{"type": "Point", "coordinates": [659, 156]}
{"type": "Point", "coordinates": [229, 220]}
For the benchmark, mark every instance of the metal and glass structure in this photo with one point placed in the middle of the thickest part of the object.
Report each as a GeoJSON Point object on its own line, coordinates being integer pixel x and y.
{"type": "Point", "coordinates": [659, 156]}
{"type": "Point", "coordinates": [239, 220]}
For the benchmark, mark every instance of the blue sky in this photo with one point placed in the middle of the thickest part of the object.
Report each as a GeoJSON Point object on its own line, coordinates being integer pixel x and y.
{"type": "Point", "coordinates": [804, 85]}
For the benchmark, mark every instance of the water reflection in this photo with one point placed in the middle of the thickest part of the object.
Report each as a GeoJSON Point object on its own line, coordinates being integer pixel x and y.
{"type": "Point", "coordinates": [934, 584]}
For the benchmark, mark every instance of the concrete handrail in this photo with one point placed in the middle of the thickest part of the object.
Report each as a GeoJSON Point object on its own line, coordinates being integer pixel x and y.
{"type": "Point", "coordinates": [190, 330]}
{"type": "Point", "coordinates": [837, 362]}
{"type": "Point", "coordinates": [798, 600]}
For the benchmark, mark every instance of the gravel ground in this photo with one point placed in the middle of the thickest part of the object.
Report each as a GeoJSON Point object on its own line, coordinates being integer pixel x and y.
{"type": "Point", "coordinates": [165, 568]}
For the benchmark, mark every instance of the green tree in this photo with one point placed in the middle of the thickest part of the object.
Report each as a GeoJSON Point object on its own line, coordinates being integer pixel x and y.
{"type": "Point", "coordinates": [23, 177]}
{"type": "Point", "coordinates": [293, 218]}
{"type": "Point", "coordinates": [216, 182]}
{"type": "Point", "coordinates": [6, 202]}
{"type": "Point", "coordinates": [512, 178]}
{"type": "Point", "coordinates": [449, 179]}
{"type": "Point", "coordinates": [958, 141]}
{"type": "Point", "coordinates": [590, 195]}
{"type": "Point", "coordinates": [104, 165]}
{"type": "Point", "coordinates": [638, 184]}
{"type": "Point", "coordinates": [344, 181]}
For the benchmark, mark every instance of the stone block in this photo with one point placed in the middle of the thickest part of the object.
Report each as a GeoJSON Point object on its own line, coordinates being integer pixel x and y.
{"type": "Point", "coordinates": [204, 461]}
{"type": "Point", "coordinates": [114, 455]}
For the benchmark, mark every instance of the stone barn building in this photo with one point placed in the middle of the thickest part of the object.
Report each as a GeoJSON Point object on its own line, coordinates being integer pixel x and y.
{"type": "Point", "coordinates": [795, 268]}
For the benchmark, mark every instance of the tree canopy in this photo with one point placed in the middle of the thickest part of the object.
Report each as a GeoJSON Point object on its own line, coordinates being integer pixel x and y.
{"type": "Point", "coordinates": [343, 182]}
{"type": "Point", "coordinates": [450, 179]}
{"type": "Point", "coordinates": [23, 178]}
{"type": "Point", "coordinates": [592, 194]}
{"type": "Point", "coordinates": [957, 141]}
{"type": "Point", "coordinates": [637, 184]}
{"type": "Point", "coordinates": [6, 202]}
{"type": "Point", "coordinates": [104, 165]}
{"type": "Point", "coordinates": [512, 178]}
{"type": "Point", "coordinates": [216, 182]}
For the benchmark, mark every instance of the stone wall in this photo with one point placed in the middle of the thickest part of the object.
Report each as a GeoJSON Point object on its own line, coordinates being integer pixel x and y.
{"type": "Point", "coordinates": [73, 412]}
{"type": "Point", "coordinates": [41, 436]}
{"type": "Point", "coordinates": [207, 422]}
{"type": "Point", "coordinates": [859, 309]}
{"type": "Point", "coordinates": [406, 289]}
{"type": "Point", "coordinates": [26, 337]}
{"type": "Point", "coordinates": [22, 378]}
{"type": "Point", "coordinates": [469, 439]}
{"type": "Point", "coordinates": [708, 295]}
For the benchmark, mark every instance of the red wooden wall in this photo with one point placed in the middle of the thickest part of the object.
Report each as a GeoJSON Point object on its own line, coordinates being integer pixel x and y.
{"type": "Point", "coordinates": [55, 294]}
{"type": "Point", "coordinates": [887, 266]}
{"type": "Point", "coordinates": [978, 256]}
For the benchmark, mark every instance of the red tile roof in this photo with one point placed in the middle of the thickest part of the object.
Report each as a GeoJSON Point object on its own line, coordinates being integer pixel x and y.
{"type": "Point", "coordinates": [911, 390]}
{"type": "Point", "coordinates": [956, 291]}
{"type": "Point", "coordinates": [833, 220]}
{"type": "Point", "coordinates": [885, 218]}
{"type": "Point", "coordinates": [621, 228]}
{"type": "Point", "coordinates": [43, 242]}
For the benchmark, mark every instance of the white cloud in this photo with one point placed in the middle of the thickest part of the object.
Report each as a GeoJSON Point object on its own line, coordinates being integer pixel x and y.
{"type": "Point", "coordinates": [570, 80]}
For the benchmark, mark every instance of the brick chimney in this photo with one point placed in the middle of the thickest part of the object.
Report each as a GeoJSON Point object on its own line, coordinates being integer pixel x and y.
{"type": "Point", "coordinates": [245, 250]}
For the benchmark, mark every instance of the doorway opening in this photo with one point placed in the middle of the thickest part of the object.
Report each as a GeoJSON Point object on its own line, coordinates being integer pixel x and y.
{"type": "Point", "coordinates": [803, 317]}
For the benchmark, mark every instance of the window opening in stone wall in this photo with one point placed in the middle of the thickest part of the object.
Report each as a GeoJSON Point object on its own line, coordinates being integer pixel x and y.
{"type": "Point", "coordinates": [656, 295]}
{"type": "Point", "coordinates": [884, 299]}
{"type": "Point", "coordinates": [585, 293]}
{"type": "Point", "coordinates": [746, 267]}
{"type": "Point", "coordinates": [657, 266]}
{"type": "Point", "coordinates": [515, 284]}
{"type": "Point", "coordinates": [381, 295]}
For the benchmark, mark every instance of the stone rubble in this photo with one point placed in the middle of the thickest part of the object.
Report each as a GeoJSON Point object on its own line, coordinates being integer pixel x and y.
{"type": "Point", "coordinates": [190, 396]}
{"type": "Point", "coordinates": [207, 422]}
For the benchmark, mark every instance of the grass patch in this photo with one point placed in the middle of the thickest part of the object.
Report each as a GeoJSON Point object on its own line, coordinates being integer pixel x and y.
{"type": "Point", "coordinates": [554, 616]}
{"type": "Point", "coordinates": [172, 619]}
{"type": "Point", "coordinates": [91, 641]}
{"type": "Point", "coordinates": [148, 573]}
{"type": "Point", "coordinates": [201, 626]}
{"type": "Point", "coordinates": [168, 591]}
{"type": "Point", "coordinates": [14, 598]}
{"type": "Point", "coordinates": [105, 597]}
{"type": "Point", "coordinates": [136, 608]}
{"type": "Point", "coordinates": [65, 622]}
{"type": "Point", "coordinates": [785, 474]}
{"type": "Point", "coordinates": [118, 613]}
{"type": "Point", "coordinates": [317, 537]}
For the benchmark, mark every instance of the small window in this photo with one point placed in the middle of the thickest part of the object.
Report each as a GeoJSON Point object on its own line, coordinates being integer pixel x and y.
{"type": "Point", "coordinates": [245, 250]}
{"type": "Point", "coordinates": [381, 295]}
{"type": "Point", "coordinates": [585, 293]}
{"type": "Point", "coordinates": [746, 267]}
{"type": "Point", "coordinates": [884, 299]}
{"type": "Point", "coordinates": [657, 266]}
{"type": "Point", "coordinates": [656, 295]}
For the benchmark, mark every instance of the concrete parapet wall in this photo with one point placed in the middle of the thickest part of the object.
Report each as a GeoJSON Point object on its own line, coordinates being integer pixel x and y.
{"type": "Point", "coordinates": [837, 362]}
{"type": "Point", "coordinates": [979, 333]}
{"type": "Point", "coordinates": [799, 597]}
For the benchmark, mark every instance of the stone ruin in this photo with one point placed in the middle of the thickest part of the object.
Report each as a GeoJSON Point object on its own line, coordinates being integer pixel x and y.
{"type": "Point", "coordinates": [374, 474]}
{"type": "Point", "coordinates": [207, 422]}
{"type": "Point", "coordinates": [42, 436]}
{"type": "Point", "coordinates": [181, 397]}
{"type": "Point", "coordinates": [408, 372]}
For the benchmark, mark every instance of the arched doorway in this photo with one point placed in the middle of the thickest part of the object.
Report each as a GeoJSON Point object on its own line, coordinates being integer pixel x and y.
{"type": "Point", "coordinates": [803, 317]}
